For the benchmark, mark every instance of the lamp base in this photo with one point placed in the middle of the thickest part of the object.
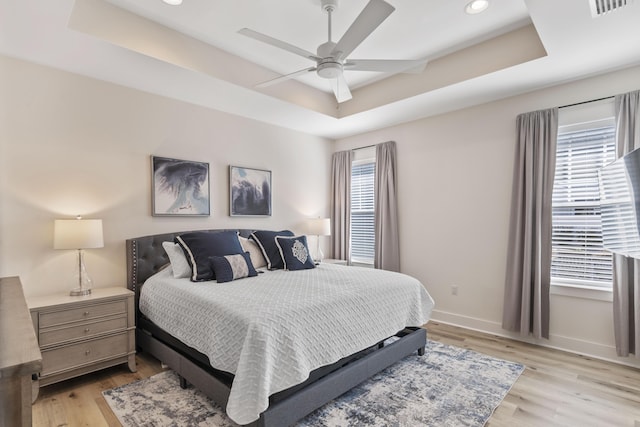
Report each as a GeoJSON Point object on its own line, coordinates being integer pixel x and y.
{"type": "Point", "coordinates": [83, 281]}
{"type": "Point", "coordinates": [319, 254]}
{"type": "Point", "coordinates": [80, 292]}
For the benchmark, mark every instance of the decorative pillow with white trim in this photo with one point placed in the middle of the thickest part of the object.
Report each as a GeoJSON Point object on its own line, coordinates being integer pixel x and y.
{"type": "Point", "coordinates": [199, 246]}
{"type": "Point", "coordinates": [295, 253]}
{"type": "Point", "coordinates": [179, 265]}
{"type": "Point", "coordinates": [232, 267]}
{"type": "Point", "coordinates": [266, 240]}
{"type": "Point", "coordinates": [254, 250]}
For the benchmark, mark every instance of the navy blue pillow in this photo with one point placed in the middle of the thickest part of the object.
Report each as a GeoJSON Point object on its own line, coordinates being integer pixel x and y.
{"type": "Point", "coordinates": [266, 240]}
{"type": "Point", "coordinates": [199, 246]}
{"type": "Point", "coordinates": [232, 267]}
{"type": "Point", "coordinates": [295, 253]}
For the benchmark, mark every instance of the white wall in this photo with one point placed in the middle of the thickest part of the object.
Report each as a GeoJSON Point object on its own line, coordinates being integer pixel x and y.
{"type": "Point", "coordinates": [455, 181]}
{"type": "Point", "coordinates": [72, 145]}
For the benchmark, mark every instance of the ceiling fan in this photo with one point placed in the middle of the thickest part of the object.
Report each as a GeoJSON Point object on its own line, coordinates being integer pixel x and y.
{"type": "Point", "coordinates": [331, 58]}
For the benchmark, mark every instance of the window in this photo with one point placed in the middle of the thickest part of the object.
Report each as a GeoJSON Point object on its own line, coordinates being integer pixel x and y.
{"type": "Point", "coordinates": [362, 211]}
{"type": "Point", "coordinates": [578, 256]}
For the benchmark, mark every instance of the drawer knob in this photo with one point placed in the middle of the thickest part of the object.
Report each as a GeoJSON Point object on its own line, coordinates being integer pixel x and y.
{"type": "Point", "coordinates": [86, 313]}
{"type": "Point", "coordinates": [86, 330]}
{"type": "Point", "coordinates": [86, 352]}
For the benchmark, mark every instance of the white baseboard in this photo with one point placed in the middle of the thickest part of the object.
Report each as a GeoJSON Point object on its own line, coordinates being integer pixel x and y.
{"type": "Point", "coordinates": [558, 342]}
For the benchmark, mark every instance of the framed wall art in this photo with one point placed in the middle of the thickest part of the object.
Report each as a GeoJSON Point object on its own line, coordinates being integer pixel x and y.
{"type": "Point", "coordinates": [249, 192]}
{"type": "Point", "coordinates": [179, 187]}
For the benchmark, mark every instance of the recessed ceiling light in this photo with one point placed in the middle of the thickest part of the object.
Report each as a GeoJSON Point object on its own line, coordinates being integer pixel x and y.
{"type": "Point", "coordinates": [173, 2]}
{"type": "Point", "coordinates": [476, 6]}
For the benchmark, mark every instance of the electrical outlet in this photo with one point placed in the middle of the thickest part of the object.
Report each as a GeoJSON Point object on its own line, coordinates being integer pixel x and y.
{"type": "Point", "coordinates": [454, 290]}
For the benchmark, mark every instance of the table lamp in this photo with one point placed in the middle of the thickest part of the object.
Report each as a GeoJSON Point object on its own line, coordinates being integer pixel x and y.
{"type": "Point", "coordinates": [319, 227]}
{"type": "Point", "coordinates": [78, 234]}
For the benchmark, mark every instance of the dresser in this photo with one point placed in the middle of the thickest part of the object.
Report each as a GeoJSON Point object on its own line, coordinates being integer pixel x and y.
{"type": "Point", "coordinates": [81, 334]}
{"type": "Point", "coordinates": [19, 355]}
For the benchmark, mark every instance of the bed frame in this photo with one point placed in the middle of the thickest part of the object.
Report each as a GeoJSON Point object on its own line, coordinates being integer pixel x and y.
{"type": "Point", "coordinates": [145, 256]}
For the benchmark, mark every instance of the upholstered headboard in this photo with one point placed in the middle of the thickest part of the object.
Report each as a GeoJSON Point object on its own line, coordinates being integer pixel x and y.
{"type": "Point", "coordinates": [145, 255]}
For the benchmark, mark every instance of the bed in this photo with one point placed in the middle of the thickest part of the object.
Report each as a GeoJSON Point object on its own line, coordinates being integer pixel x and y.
{"type": "Point", "coordinates": [273, 374]}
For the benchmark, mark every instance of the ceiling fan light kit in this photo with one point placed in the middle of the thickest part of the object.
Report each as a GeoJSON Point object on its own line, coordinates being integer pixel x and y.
{"type": "Point", "coordinates": [331, 57]}
{"type": "Point", "coordinates": [329, 69]}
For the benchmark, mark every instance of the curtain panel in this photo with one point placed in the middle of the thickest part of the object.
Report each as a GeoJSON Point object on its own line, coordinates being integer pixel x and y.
{"type": "Point", "coordinates": [626, 271]}
{"type": "Point", "coordinates": [528, 276]}
{"type": "Point", "coordinates": [387, 240]}
{"type": "Point", "coordinates": [341, 205]}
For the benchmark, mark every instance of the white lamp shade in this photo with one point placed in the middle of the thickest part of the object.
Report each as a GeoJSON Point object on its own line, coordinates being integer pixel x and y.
{"type": "Point", "coordinates": [319, 227]}
{"type": "Point", "coordinates": [77, 234]}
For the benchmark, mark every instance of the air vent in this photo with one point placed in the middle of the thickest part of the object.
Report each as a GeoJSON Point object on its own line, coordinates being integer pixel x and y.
{"type": "Point", "coordinates": [602, 7]}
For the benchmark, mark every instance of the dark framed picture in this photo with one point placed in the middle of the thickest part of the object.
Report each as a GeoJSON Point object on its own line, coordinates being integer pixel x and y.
{"type": "Point", "coordinates": [179, 187]}
{"type": "Point", "coordinates": [249, 192]}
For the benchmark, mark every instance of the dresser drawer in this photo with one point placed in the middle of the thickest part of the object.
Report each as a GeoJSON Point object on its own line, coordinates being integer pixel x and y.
{"type": "Point", "coordinates": [85, 330]}
{"type": "Point", "coordinates": [75, 355]}
{"type": "Point", "coordinates": [87, 312]}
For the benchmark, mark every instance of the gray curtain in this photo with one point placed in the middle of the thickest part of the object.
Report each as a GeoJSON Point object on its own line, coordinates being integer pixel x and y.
{"type": "Point", "coordinates": [341, 205]}
{"type": "Point", "coordinates": [626, 271]}
{"type": "Point", "coordinates": [526, 295]}
{"type": "Point", "coordinates": [387, 244]}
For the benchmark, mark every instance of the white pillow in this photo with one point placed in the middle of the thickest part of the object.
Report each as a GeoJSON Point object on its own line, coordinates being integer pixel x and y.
{"type": "Point", "coordinates": [255, 253]}
{"type": "Point", "coordinates": [179, 265]}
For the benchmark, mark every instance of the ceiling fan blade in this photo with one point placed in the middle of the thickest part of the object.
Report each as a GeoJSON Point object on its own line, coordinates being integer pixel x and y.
{"type": "Point", "coordinates": [285, 77]}
{"type": "Point", "coordinates": [374, 13]}
{"type": "Point", "coordinates": [386, 65]}
{"type": "Point", "coordinates": [340, 88]}
{"type": "Point", "coordinates": [278, 43]}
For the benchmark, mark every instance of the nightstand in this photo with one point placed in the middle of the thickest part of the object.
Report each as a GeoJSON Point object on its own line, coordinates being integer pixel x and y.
{"type": "Point", "coordinates": [81, 334]}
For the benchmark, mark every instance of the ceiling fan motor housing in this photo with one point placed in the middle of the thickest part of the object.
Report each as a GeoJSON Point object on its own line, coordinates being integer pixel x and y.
{"type": "Point", "coordinates": [329, 67]}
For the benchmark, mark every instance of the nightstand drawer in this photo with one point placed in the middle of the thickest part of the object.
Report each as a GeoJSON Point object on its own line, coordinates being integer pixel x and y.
{"type": "Point", "coordinates": [88, 312]}
{"type": "Point", "coordinates": [85, 330]}
{"type": "Point", "coordinates": [75, 355]}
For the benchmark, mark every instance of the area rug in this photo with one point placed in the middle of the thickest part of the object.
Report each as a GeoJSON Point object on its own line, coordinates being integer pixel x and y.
{"type": "Point", "coordinates": [448, 386]}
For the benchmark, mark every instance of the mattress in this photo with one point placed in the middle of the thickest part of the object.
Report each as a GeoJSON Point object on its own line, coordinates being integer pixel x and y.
{"type": "Point", "coordinates": [272, 330]}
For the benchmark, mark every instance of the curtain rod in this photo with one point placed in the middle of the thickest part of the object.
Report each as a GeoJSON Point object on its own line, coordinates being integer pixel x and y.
{"type": "Point", "coordinates": [369, 146]}
{"type": "Point", "coordinates": [586, 102]}
{"type": "Point", "coordinates": [362, 148]}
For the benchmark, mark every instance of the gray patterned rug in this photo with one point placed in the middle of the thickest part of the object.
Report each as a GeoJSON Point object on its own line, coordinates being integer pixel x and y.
{"type": "Point", "coordinates": [448, 386]}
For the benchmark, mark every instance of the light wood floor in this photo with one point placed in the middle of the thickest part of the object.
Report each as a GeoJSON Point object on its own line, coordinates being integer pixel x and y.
{"type": "Point", "coordinates": [556, 388]}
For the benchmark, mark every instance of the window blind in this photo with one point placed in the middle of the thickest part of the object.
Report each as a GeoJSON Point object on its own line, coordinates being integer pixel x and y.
{"type": "Point", "coordinates": [578, 256]}
{"type": "Point", "coordinates": [362, 212]}
{"type": "Point", "coordinates": [619, 220]}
